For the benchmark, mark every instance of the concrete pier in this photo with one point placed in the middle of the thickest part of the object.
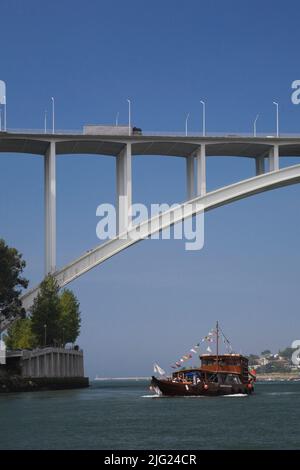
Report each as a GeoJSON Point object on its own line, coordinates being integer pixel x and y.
{"type": "Point", "coordinates": [52, 362]}
{"type": "Point", "coordinates": [42, 369]}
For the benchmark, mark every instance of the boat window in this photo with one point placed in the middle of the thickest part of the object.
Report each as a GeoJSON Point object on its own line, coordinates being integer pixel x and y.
{"type": "Point", "coordinates": [221, 378]}
{"type": "Point", "coordinates": [232, 379]}
{"type": "Point", "coordinates": [208, 362]}
{"type": "Point", "coordinates": [213, 378]}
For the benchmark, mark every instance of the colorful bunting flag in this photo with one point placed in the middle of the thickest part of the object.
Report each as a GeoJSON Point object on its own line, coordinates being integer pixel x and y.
{"type": "Point", "coordinates": [210, 338]}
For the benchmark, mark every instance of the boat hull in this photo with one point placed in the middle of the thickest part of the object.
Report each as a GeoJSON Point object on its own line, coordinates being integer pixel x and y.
{"type": "Point", "coordinates": [170, 388]}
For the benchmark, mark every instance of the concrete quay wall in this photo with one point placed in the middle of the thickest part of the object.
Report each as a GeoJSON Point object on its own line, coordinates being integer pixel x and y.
{"type": "Point", "coordinates": [52, 362]}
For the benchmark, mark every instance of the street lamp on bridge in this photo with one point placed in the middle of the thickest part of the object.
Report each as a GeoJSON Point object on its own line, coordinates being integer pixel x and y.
{"type": "Point", "coordinates": [203, 117]}
{"type": "Point", "coordinates": [45, 121]}
{"type": "Point", "coordinates": [3, 102]}
{"type": "Point", "coordinates": [186, 123]}
{"type": "Point", "coordinates": [53, 127]}
{"type": "Point", "coordinates": [129, 116]}
{"type": "Point", "coordinates": [254, 125]}
{"type": "Point", "coordinates": [277, 118]}
{"type": "Point", "coordinates": [45, 337]}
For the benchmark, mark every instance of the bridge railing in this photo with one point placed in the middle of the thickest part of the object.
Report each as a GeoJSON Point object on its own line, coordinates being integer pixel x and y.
{"type": "Point", "coordinates": [154, 133]}
{"type": "Point", "coordinates": [42, 131]}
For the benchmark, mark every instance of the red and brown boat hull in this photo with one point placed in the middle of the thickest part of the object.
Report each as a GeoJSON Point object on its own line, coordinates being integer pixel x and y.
{"type": "Point", "coordinates": [171, 388]}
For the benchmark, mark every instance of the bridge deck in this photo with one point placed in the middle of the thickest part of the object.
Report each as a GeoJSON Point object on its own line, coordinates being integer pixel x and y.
{"type": "Point", "coordinates": [166, 145]}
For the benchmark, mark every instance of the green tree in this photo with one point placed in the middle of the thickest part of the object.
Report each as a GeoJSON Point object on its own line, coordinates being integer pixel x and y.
{"type": "Point", "coordinates": [19, 335]}
{"type": "Point", "coordinates": [70, 317]}
{"type": "Point", "coordinates": [253, 359]}
{"type": "Point", "coordinates": [11, 281]}
{"type": "Point", "coordinates": [275, 367]}
{"type": "Point", "coordinates": [287, 353]}
{"type": "Point", "coordinates": [266, 352]}
{"type": "Point", "coordinates": [46, 313]}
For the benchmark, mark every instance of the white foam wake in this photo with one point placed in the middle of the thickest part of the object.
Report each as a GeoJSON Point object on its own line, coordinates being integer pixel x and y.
{"type": "Point", "coordinates": [237, 395]}
{"type": "Point", "coordinates": [151, 396]}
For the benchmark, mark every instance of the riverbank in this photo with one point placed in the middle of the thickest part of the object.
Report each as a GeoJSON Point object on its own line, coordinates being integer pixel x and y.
{"type": "Point", "coordinates": [15, 383]}
{"type": "Point", "coordinates": [277, 376]}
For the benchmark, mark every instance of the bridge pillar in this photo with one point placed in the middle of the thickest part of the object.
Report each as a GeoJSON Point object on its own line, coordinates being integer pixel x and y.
{"type": "Point", "coordinates": [201, 170]}
{"type": "Point", "coordinates": [124, 188]}
{"type": "Point", "coordinates": [190, 175]}
{"type": "Point", "coordinates": [274, 158]}
{"type": "Point", "coordinates": [50, 208]}
{"type": "Point", "coordinates": [260, 165]}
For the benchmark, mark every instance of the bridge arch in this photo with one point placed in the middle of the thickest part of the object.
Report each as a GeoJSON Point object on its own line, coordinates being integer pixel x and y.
{"type": "Point", "coordinates": [195, 149]}
{"type": "Point", "coordinates": [214, 199]}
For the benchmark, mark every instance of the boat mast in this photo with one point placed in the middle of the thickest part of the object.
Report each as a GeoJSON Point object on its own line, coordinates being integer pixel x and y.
{"type": "Point", "coordinates": [217, 331]}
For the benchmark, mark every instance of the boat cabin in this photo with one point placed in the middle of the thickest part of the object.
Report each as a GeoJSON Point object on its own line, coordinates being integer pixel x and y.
{"type": "Point", "coordinates": [223, 369]}
{"type": "Point", "coordinates": [232, 363]}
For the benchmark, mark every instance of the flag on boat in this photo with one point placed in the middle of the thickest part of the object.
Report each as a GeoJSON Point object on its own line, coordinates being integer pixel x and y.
{"type": "Point", "coordinates": [208, 349]}
{"type": "Point", "coordinates": [193, 351]}
{"type": "Point", "coordinates": [158, 369]}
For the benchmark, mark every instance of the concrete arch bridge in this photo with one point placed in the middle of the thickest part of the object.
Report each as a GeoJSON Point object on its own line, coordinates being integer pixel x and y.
{"type": "Point", "coordinates": [265, 152]}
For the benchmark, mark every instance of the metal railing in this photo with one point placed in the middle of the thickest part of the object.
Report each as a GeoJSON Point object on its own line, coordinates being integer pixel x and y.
{"type": "Point", "coordinates": [42, 132]}
{"type": "Point", "coordinates": [152, 134]}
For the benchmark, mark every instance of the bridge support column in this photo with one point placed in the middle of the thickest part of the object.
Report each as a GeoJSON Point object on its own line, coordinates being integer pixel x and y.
{"type": "Point", "coordinates": [260, 165]}
{"type": "Point", "coordinates": [50, 208]}
{"type": "Point", "coordinates": [190, 175]}
{"type": "Point", "coordinates": [274, 158]}
{"type": "Point", "coordinates": [201, 170]}
{"type": "Point", "coordinates": [124, 189]}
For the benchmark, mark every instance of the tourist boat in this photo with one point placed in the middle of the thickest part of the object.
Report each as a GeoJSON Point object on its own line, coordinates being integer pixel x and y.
{"type": "Point", "coordinates": [218, 374]}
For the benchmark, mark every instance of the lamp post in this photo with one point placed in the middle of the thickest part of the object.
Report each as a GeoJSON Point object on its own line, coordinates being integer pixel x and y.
{"type": "Point", "coordinates": [277, 118]}
{"type": "Point", "coordinates": [129, 116]}
{"type": "Point", "coordinates": [53, 117]}
{"type": "Point", "coordinates": [254, 125]}
{"type": "Point", "coordinates": [45, 121]}
{"type": "Point", "coordinates": [45, 337]}
{"type": "Point", "coordinates": [186, 123]}
{"type": "Point", "coordinates": [4, 113]}
{"type": "Point", "coordinates": [3, 102]}
{"type": "Point", "coordinates": [203, 118]}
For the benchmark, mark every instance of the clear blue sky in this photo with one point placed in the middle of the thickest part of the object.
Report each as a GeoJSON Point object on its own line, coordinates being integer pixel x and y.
{"type": "Point", "coordinates": [154, 301]}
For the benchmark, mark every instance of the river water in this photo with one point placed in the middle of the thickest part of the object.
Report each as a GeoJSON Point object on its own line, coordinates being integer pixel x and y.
{"type": "Point", "coordinates": [123, 415]}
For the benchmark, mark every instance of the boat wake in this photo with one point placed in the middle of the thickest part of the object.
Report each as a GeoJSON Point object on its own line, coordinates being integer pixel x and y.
{"type": "Point", "coordinates": [173, 396]}
{"type": "Point", "coordinates": [152, 396]}
{"type": "Point", "coordinates": [157, 395]}
{"type": "Point", "coordinates": [236, 395]}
